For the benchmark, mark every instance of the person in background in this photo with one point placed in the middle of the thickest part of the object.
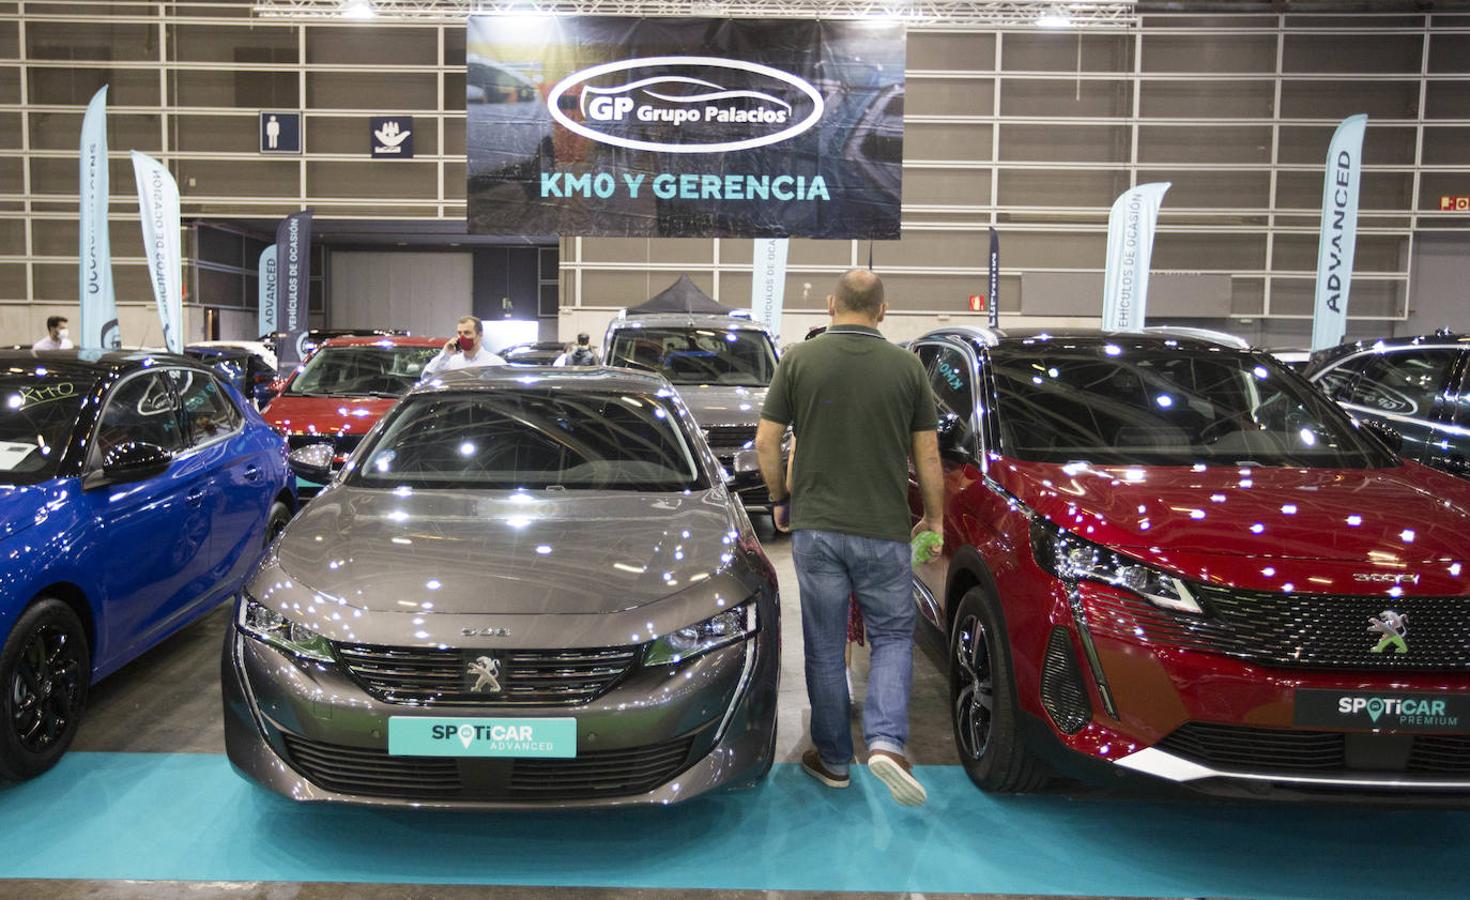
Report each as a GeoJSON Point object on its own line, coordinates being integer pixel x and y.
{"type": "Point", "coordinates": [860, 408]}
{"type": "Point", "coordinates": [56, 335]}
{"type": "Point", "coordinates": [581, 354]}
{"type": "Point", "coordinates": [464, 351]}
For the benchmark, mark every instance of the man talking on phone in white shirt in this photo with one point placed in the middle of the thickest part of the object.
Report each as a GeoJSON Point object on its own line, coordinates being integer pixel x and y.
{"type": "Point", "coordinates": [465, 351]}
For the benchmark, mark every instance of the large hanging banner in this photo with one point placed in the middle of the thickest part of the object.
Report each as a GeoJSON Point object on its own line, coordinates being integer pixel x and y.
{"type": "Point", "coordinates": [158, 206]}
{"type": "Point", "coordinates": [99, 305]}
{"type": "Point", "coordinates": [293, 287]}
{"type": "Point", "coordinates": [270, 320]}
{"type": "Point", "coordinates": [665, 127]}
{"type": "Point", "coordinates": [1339, 232]}
{"type": "Point", "coordinates": [1131, 225]}
{"type": "Point", "coordinates": [768, 283]}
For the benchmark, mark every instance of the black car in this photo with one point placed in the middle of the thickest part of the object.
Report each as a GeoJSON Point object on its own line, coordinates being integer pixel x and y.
{"type": "Point", "coordinates": [539, 353]}
{"type": "Point", "coordinates": [1418, 386]}
{"type": "Point", "coordinates": [250, 374]}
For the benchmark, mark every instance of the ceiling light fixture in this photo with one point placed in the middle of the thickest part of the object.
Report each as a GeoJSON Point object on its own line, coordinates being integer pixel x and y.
{"type": "Point", "coordinates": [358, 9]}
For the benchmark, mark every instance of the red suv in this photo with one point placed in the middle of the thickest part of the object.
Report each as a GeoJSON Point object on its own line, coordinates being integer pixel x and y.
{"type": "Point", "coordinates": [344, 387]}
{"type": "Point", "coordinates": [1170, 557]}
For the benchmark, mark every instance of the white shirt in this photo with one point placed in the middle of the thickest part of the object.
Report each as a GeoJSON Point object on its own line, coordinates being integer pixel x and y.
{"type": "Point", "coordinates": [450, 362]}
{"type": "Point", "coordinates": [46, 343]}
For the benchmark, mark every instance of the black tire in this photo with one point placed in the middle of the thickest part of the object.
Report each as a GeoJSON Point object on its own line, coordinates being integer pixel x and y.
{"type": "Point", "coordinates": [276, 522]}
{"type": "Point", "coordinates": [982, 701]}
{"type": "Point", "coordinates": [45, 670]}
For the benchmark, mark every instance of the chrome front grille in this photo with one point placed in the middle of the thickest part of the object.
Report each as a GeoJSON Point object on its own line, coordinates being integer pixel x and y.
{"type": "Point", "coordinates": [416, 676]}
{"type": "Point", "coordinates": [725, 440]}
{"type": "Point", "coordinates": [1294, 630]}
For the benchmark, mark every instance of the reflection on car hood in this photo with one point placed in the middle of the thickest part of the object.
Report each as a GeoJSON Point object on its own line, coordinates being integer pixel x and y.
{"type": "Point", "coordinates": [1409, 512]}
{"type": "Point", "coordinates": [326, 415]}
{"type": "Point", "coordinates": [714, 405]}
{"type": "Point", "coordinates": [507, 552]}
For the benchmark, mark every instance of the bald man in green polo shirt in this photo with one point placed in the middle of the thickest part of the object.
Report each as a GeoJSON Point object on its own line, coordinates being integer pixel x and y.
{"type": "Point", "coordinates": [860, 408]}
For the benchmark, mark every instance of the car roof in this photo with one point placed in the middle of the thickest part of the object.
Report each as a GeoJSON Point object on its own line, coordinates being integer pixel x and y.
{"type": "Point", "coordinates": [383, 340]}
{"type": "Point", "coordinates": [598, 378]}
{"type": "Point", "coordinates": [1032, 338]}
{"type": "Point", "coordinates": [687, 320]}
{"type": "Point", "coordinates": [92, 363]}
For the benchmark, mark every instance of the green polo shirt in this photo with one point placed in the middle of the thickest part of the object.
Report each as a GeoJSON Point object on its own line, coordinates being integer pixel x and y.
{"type": "Point", "coordinates": [854, 402]}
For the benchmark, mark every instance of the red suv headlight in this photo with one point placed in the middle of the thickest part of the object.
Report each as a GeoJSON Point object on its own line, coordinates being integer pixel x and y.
{"type": "Point", "coordinates": [1071, 559]}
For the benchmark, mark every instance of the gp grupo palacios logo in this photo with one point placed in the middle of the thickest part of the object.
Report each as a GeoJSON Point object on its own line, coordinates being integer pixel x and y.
{"type": "Point", "coordinates": [685, 104]}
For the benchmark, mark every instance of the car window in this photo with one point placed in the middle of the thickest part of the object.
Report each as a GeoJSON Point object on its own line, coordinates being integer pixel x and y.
{"type": "Point", "coordinates": [1337, 382]}
{"type": "Point", "coordinates": [697, 355]}
{"type": "Point", "coordinates": [952, 378]}
{"type": "Point", "coordinates": [38, 410]}
{"type": "Point", "coordinates": [141, 409]}
{"type": "Point", "coordinates": [207, 408]}
{"type": "Point", "coordinates": [1402, 382]}
{"type": "Point", "coordinates": [532, 439]}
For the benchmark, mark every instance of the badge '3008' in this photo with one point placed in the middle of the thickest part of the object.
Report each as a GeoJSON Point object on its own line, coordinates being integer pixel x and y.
{"type": "Point", "coordinates": [684, 127]}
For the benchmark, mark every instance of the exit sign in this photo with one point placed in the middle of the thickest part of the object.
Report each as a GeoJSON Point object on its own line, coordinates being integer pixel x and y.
{"type": "Point", "coordinates": [1454, 204]}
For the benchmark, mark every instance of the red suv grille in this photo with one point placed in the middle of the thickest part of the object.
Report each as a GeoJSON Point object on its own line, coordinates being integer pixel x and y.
{"type": "Point", "coordinates": [1295, 630]}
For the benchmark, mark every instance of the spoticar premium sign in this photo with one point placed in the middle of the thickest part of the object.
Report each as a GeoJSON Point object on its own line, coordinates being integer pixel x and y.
{"type": "Point", "coordinates": [684, 127]}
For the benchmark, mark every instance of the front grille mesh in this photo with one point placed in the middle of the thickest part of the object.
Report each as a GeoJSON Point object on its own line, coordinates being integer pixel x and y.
{"type": "Point", "coordinates": [591, 775]}
{"type": "Point", "coordinates": [1296, 630]}
{"type": "Point", "coordinates": [1318, 752]}
{"type": "Point", "coordinates": [1062, 692]}
{"type": "Point", "coordinates": [417, 676]}
{"type": "Point", "coordinates": [726, 439]}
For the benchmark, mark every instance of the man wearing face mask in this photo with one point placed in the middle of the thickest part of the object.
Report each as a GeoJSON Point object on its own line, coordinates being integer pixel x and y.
{"type": "Point", "coordinates": [56, 335]}
{"type": "Point", "coordinates": [464, 351]}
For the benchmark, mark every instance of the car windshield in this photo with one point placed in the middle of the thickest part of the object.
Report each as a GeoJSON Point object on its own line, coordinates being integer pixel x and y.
{"type": "Point", "coordinates": [369, 370]}
{"type": "Point", "coordinates": [697, 355]}
{"type": "Point", "coordinates": [1109, 404]}
{"type": "Point", "coordinates": [532, 439]}
{"type": "Point", "coordinates": [37, 414]}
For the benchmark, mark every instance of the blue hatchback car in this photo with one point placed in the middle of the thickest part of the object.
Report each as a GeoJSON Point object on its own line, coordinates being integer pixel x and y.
{"type": "Point", "coordinates": [137, 491]}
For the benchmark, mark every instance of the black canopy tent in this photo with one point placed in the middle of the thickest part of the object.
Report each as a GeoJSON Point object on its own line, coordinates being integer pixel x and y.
{"type": "Point", "coordinates": [683, 296]}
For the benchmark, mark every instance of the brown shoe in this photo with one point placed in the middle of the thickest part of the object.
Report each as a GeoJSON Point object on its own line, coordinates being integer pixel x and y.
{"type": "Point", "coordinates": [811, 763]}
{"type": "Point", "coordinates": [896, 772]}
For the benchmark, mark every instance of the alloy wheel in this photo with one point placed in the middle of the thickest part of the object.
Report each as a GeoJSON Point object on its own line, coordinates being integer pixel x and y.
{"type": "Point", "coordinates": [974, 699]}
{"type": "Point", "coordinates": [45, 688]}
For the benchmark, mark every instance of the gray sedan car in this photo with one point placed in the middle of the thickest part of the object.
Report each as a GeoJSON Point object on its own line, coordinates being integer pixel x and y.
{"type": "Point", "coordinates": [528, 587]}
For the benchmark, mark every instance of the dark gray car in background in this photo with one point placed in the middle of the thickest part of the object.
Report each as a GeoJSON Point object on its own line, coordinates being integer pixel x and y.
{"type": "Point", "coordinates": [512, 553]}
{"type": "Point", "coordinates": [722, 367]}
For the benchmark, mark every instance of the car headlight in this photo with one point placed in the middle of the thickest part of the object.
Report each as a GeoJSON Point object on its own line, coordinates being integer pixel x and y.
{"type": "Point", "coordinates": [1070, 558]}
{"type": "Point", "coordinates": [265, 624]}
{"type": "Point", "coordinates": [717, 631]}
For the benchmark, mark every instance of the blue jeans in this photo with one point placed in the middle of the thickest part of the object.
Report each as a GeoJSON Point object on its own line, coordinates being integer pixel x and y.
{"type": "Point", "coordinates": [831, 567]}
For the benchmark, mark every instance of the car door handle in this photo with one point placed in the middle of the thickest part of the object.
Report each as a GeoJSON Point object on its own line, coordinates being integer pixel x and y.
{"type": "Point", "coordinates": [252, 473]}
{"type": "Point", "coordinates": [194, 497]}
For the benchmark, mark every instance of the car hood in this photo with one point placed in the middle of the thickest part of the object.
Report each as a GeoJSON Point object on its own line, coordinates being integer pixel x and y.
{"type": "Point", "coordinates": [326, 415]}
{"type": "Point", "coordinates": [1349, 515]}
{"type": "Point", "coordinates": [22, 506]}
{"type": "Point", "coordinates": [506, 552]}
{"type": "Point", "coordinates": [714, 406]}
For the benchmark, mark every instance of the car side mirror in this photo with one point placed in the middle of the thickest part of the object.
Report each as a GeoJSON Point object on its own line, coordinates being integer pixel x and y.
{"type": "Point", "coordinates": [128, 462]}
{"type": "Point", "coordinates": [1391, 437]}
{"type": "Point", "coordinates": [313, 462]}
{"type": "Point", "coordinates": [954, 440]}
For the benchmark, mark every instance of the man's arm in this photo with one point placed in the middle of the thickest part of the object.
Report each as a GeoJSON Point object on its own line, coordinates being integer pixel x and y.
{"type": "Point", "coordinates": [768, 437]}
{"type": "Point", "coordinates": [436, 364]}
{"type": "Point", "coordinates": [925, 452]}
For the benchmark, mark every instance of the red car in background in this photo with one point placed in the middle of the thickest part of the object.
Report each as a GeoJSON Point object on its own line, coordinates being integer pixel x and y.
{"type": "Point", "coordinates": [344, 387]}
{"type": "Point", "coordinates": [1175, 558]}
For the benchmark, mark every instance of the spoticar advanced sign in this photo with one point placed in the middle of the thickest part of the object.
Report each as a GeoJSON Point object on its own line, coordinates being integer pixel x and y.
{"type": "Point", "coordinates": [684, 127]}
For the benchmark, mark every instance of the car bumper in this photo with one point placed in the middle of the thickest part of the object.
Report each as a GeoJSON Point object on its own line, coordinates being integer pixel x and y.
{"type": "Point", "coordinates": [1214, 723]}
{"type": "Point", "coordinates": [312, 733]}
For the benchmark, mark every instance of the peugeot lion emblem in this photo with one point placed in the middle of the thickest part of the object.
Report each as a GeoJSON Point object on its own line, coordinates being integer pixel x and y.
{"type": "Point", "coordinates": [486, 670]}
{"type": "Point", "coordinates": [1391, 628]}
